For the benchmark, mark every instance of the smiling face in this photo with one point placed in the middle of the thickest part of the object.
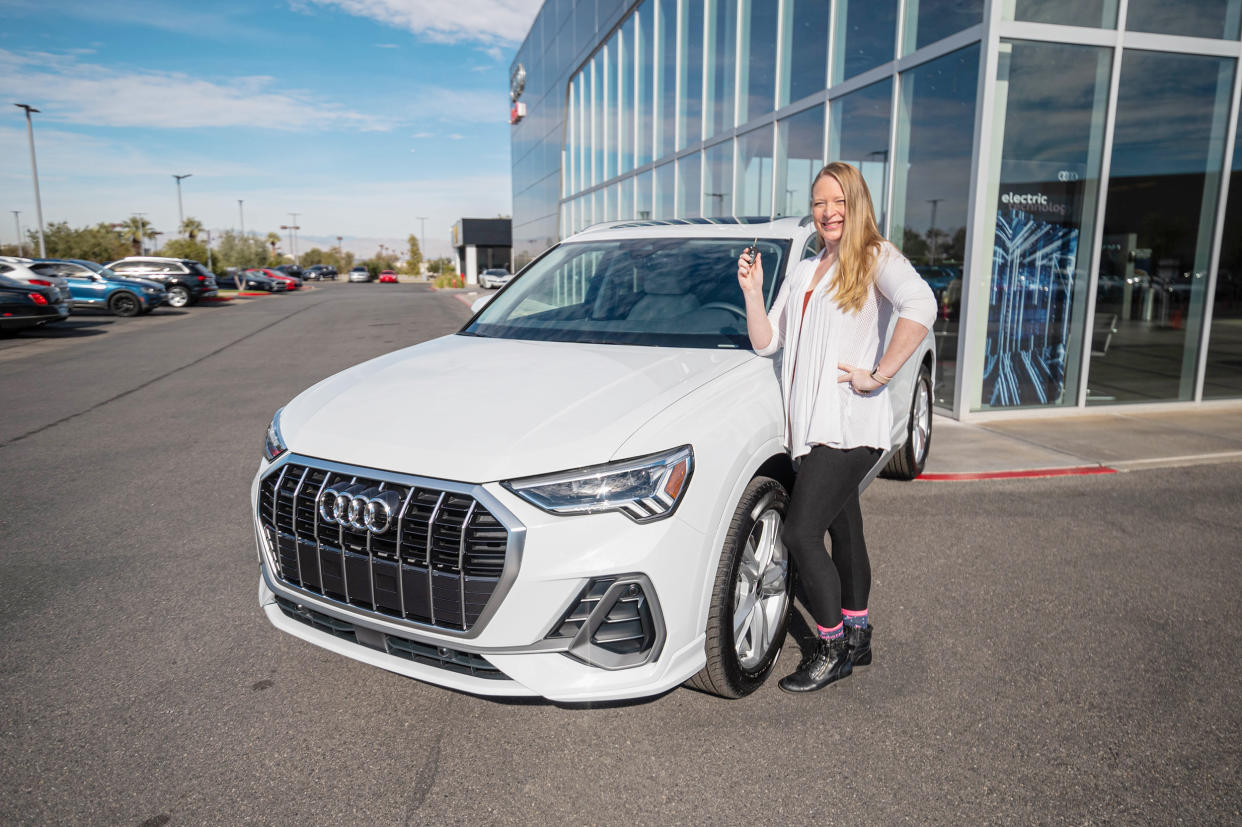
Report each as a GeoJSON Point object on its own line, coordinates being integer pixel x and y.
{"type": "Point", "coordinates": [828, 210]}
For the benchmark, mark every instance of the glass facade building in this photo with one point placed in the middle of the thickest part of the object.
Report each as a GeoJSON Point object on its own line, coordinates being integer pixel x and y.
{"type": "Point", "coordinates": [1063, 173]}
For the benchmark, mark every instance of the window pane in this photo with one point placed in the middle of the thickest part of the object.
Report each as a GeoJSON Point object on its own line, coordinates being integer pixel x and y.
{"type": "Point", "coordinates": [643, 102]}
{"type": "Point", "coordinates": [930, 20]}
{"type": "Point", "coordinates": [1224, 356]}
{"type": "Point", "coordinates": [800, 147]}
{"type": "Point", "coordinates": [1196, 18]}
{"type": "Point", "coordinates": [570, 154]}
{"type": "Point", "coordinates": [859, 136]}
{"type": "Point", "coordinates": [754, 172]}
{"type": "Point", "coordinates": [805, 50]}
{"type": "Point", "coordinates": [718, 180]}
{"type": "Point", "coordinates": [721, 22]}
{"type": "Point", "coordinates": [597, 119]}
{"type": "Point", "coordinates": [664, 205]}
{"type": "Point", "coordinates": [625, 98]}
{"type": "Point", "coordinates": [690, 113]}
{"type": "Point", "coordinates": [1046, 206]}
{"type": "Point", "coordinates": [866, 36]}
{"type": "Point", "coordinates": [625, 203]}
{"type": "Point", "coordinates": [931, 179]}
{"type": "Point", "coordinates": [689, 172]}
{"type": "Point", "coordinates": [643, 196]}
{"type": "Point", "coordinates": [666, 83]}
{"type": "Point", "coordinates": [1098, 13]}
{"type": "Point", "coordinates": [608, 111]}
{"type": "Point", "coordinates": [758, 58]}
{"type": "Point", "coordinates": [1168, 147]}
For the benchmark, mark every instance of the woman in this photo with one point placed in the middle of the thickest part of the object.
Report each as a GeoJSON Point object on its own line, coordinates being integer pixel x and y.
{"type": "Point", "coordinates": [831, 315]}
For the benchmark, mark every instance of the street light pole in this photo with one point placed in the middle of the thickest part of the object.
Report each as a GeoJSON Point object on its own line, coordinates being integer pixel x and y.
{"type": "Point", "coordinates": [422, 241]}
{"type": "Point", "coordinates": [932, 232]}
{"type": "Point", "coordinates": [180, 214]}
{"type": "Point", "coordinates": [17, 222]}
{"type": "Point", "coordinates": [294, 235]}
{"type": "Point", "coordinates": [241, 214]}
{"type": "Point", "coordinates": [34, 172]}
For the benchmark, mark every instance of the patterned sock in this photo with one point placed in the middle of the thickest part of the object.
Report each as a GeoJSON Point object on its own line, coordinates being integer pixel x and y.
{"type": "Point", "coordinates": [835, 633]}
{"type": "Point", "coordinates": [855, 620]}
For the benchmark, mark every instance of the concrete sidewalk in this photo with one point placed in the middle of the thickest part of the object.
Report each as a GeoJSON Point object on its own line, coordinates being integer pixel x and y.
{"type": "Point", "coordinates": [1095, 442]}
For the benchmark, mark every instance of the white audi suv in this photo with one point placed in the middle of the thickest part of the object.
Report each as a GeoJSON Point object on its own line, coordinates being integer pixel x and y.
{"type": "Point", "coordinates": [615, 534]}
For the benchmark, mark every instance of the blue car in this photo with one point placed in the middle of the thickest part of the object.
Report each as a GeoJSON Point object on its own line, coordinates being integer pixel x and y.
{"type": "Point", "coordinates": [92, 285]}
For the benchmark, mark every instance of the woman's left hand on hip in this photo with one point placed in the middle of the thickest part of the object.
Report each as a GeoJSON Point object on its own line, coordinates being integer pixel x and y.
{"type": "Point", "coordinates": [860, 379]}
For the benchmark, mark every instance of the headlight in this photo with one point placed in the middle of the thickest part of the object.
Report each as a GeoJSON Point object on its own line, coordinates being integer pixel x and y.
{"type": "Point", "coordinates": [643, 489]}
{"type": "Point", "coordinates": [273, 444]}
{"type": "Point", "coordinates": [150, 290]}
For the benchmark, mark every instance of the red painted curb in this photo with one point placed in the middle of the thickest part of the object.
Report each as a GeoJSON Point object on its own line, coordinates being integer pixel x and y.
{"type": "Point", "coordinates": [1083, 470]}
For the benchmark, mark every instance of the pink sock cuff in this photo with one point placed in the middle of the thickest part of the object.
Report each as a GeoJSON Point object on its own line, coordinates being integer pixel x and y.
{"type": "Point", "coordinates": [850, 613]}
{"type": "Point", "coordinates": [828, 634]}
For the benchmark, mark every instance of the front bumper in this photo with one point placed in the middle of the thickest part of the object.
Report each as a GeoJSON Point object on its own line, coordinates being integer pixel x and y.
{"type": "Point", "coordinates": [520, 645]}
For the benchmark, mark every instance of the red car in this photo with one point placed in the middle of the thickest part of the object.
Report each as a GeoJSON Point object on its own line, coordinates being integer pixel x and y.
{"type": "Point", "coordinates": [387, 277]}
{"type": "Point", "coordinates": [290, 281]}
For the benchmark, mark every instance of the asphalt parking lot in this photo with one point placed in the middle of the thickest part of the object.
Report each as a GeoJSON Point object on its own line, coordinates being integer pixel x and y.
{"type": "Point", "coordinates": [1047, 650]}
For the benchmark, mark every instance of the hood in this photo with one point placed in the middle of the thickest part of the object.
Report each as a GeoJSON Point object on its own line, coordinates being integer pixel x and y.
{"type": "Point", "coordinates": [479, 410]}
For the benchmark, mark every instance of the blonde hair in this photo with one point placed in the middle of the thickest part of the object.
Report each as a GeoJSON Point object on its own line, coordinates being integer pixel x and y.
{"type": "Point", "coordinates": [861, 241]}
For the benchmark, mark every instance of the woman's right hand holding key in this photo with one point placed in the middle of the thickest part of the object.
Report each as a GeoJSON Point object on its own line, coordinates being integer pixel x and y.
{"type": "Point", "coordinates": [750, 272]}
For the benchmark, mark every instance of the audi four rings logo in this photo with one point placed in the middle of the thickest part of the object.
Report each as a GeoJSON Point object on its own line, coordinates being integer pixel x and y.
{"type": "Point", "coordinates": [359, 507]}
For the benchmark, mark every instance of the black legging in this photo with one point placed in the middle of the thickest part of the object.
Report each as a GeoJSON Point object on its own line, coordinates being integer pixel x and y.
{"type": "Point", "coordinates": [825, 498]}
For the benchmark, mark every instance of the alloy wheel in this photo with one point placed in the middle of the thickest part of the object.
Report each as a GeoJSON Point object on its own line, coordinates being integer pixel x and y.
{"type": "Point", "coordinates": [760, 593]}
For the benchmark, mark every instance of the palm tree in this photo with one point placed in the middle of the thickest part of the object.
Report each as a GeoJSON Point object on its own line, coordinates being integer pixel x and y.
{"type": "Point", "coordinates": [138, 229]}
{"type": "Point", "coordinates": [273, 240]}
{"type": "Point", "coordinates": [191, 227]}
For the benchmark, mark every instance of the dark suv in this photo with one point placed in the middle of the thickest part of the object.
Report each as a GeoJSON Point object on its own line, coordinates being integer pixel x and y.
{"type": "Point", "coordinates": [186, 280]}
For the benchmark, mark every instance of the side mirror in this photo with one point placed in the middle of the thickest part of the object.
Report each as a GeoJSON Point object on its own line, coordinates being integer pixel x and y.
{"type": "Point", "coordinates": [480, 303]}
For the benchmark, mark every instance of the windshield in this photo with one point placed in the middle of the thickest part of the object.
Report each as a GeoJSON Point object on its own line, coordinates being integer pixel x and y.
{"type": "Point", "coordinates": [672, 292]}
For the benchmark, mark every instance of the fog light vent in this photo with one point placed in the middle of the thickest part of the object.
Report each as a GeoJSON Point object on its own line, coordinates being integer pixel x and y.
{"type": "Point", "coordinates": [615, 623]}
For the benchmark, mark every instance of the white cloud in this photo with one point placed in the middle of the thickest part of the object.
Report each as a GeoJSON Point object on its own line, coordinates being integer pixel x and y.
{"type": "Point", "coordinates": [449, 21]}
{"type": "Point", "coordinates": [423, 135]}
{"type": "Point", "coordinates": [387, 46]}
{"type": "Point", "coordinates": [67, 89]}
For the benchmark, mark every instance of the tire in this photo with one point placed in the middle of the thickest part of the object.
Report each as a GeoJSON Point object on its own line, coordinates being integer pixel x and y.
{"type": "Point", "coordinates": [736, 668]}
{"type": "Point", "coordinates": [178, 296]}
{"type": "Point", "coordinates": [124, 304]}
{"type": "Point", "coordinates": [909, 460]}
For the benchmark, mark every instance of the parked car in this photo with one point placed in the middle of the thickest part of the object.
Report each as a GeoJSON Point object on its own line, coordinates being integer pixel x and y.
{"type": "Point", "coordinates": [615, 533]}
{"type": "Point", "coordinates": [290, 282]}
{"type": "Point", "coordinates": [360, 273]}
{"type": "Point", "coordinates": [494, 277]}
{"type": "Point", "coordinates": [94, 287]}
{"type": "Point", "coordinates": [387, 277]}
{"type": "Point", "coordinates": [187, 281]}
{"type": "Point", "coordinates": [251, 280]}
{"type": "Point", "coordinates": [314, 272]}
{"type": "Point", "coordinates": [18, 269]}
{"type": "Point", "coordinates": [24, 305]}
{"type": "Point", "coordinates": [289, 270]}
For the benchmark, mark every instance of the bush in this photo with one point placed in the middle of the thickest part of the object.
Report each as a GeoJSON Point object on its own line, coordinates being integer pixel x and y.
{"type": "Point", "coordinates": [448, 280]}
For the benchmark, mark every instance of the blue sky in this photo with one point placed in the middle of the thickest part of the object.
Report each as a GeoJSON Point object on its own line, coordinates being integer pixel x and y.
{"type": "Point", "coordinates": [358, 114]}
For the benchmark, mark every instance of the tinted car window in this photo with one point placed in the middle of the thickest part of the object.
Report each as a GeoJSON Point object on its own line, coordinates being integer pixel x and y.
{"type": "Point", "coordinates": [676, 292]}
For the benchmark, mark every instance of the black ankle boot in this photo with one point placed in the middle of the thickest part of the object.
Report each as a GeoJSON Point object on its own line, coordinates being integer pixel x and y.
{"type": "Point", "coordinates": [858, 642]}
{"type": "Point", "coordinates": [830, 662]}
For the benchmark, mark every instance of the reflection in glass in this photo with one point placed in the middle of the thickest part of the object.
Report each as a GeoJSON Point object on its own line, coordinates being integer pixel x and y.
{"type": "Point", "coordinates": [804, 49]}
{"type": "Point", "coordinates": [866, 36]}
{"type": "Point", "coordinates": [931, 179]}
{"type": "Point", "coordinates": [643, 101]}
{"type": "Point", "coordinates": [569, 156]}
{"type": "Point", "coordinates": [1168, 150]}
{"type": "Point", "coordinates": [800, 154]}
{"type": "Point", "coordinates": [689, 170]}
{"type": "Point", "coordinates": [597, 119]}
{"type": "Point", "coordinates": [930, 20]}
{"type": "Point", "coordinates": [625, 97]}
{"type": "Point", "coordinates": [757, 62]}
{"type": "Point", "coordinates": [643, 196]}
{"type": "Point", "coordinates": [859, 135]}
{"type": "Point", "coordinates": [754, 172]}
{"type": "Point", "coordinates": [690, 113]}
{"type": "Point", "coordinates": [666, 83]}
{"type": "Point", "coordinates": [1196, 18]}
{"type": "Point", "coordinates": [718, 180]}
{"type": "Point", "coordinates": [721, 22]}
{"type": "Point", "coordinates": [664, 204]}
{"type": "Point", "coordinates": [1098, 13]}
{"type": "Point", "coordinates": [1224, 357]}
{"type": "Point", "coordinates": [608, 112]}
{"type": "Point", "coordinates": [625, 199]}
{"type": "Point", "coordinates": [1046, 206]}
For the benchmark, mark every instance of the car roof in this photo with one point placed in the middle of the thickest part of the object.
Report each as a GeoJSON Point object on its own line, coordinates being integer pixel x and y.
{"type": "Point", "coordinates": [729, 227]}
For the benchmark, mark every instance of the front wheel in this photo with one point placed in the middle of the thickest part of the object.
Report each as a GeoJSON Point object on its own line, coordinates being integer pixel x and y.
{"type": "Point", "coordinates": [909, 460]}
{"type": "Point", "coordinates": [751, 596]}
{"type": "Point", "coordinates": [178, 296]}
{"type": "Point", "coordinates": [124, 304]}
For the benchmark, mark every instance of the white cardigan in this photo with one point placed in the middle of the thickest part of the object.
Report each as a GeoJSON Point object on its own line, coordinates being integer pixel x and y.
{"type": "Point", "coordinates": [819, 410]}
